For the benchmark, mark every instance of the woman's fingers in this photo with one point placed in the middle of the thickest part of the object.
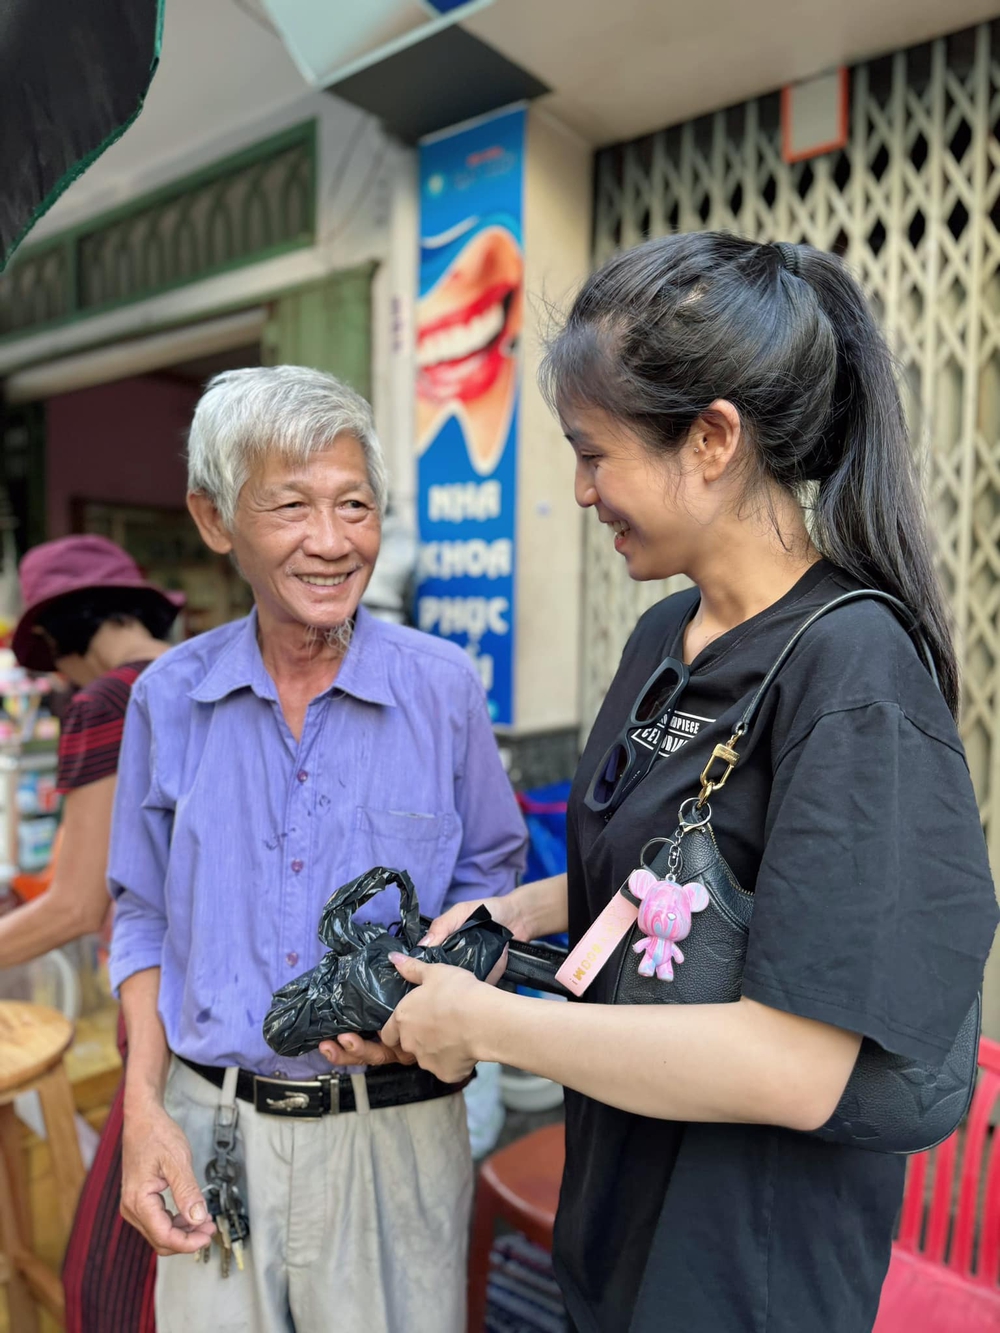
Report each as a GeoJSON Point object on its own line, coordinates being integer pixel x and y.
{"type": "Point", "coordinates": [499, 969]}
{"type": "Point", "coordinates": [431, 1021]}
{"type": "Point", "coordinates": [448, 922]}
{"type": "Point", "coordinates": [411, 969]}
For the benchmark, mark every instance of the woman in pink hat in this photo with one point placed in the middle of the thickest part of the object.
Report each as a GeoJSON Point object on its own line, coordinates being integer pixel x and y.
{"type": "Point", "coordinates": [90, 615]}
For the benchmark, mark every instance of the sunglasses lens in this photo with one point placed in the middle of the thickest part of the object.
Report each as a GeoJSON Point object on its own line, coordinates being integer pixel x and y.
{"type": "Point", "coordinates": [655, 701]}
{"type": "Point", "coordinates": [611, 773]}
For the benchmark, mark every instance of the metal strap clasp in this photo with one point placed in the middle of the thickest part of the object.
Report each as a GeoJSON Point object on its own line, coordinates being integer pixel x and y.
{"type": "Point", "coordinates": [727, 755]}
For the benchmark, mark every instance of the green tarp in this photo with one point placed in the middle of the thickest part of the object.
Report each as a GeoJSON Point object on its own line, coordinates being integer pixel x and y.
{"type": "Point", "coordinates": [73, 76]}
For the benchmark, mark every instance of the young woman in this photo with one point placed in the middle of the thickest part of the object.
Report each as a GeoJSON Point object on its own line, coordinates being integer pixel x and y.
{"type": "Point", "coordinates": [735, 418]}
{"type": "Point", "coordinates": [90, 615]}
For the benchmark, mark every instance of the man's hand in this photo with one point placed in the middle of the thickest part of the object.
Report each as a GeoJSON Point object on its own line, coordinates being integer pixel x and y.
{"type": "Point", "coordinates": [156, 1157]}
{"type": "Point", "coordinates": [434, 1023]}
{"type": "Point", "coordinates": [350, 1049]}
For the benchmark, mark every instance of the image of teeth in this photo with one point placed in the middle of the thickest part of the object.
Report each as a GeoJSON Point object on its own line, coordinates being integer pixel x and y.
{"type": "Point", "coordinates": [322, 582]}
{"type": "Point", "coordinates": [462, 340]}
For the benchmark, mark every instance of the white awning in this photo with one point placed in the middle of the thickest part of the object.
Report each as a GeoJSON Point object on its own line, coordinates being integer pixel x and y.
{"type": "Point", "coordinates": [135, 356]}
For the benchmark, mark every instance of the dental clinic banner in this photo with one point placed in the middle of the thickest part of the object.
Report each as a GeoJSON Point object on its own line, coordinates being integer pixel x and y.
{"type": "Point", "coordinates": [469, 316]}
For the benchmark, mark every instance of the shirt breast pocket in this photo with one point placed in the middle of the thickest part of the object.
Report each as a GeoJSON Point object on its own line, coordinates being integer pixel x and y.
{"type": "Point", "coordinates": [402, 840]}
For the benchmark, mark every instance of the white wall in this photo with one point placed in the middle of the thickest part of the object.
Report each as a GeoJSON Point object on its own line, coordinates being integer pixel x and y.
{"type": "Point", "coordinates": [557, 224]}
{"type": "Point", "coordinates": [393, 339]}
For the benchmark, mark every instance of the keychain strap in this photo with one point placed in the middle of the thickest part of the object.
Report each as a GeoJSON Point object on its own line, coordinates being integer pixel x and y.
{"type": "Point", "coordinates": [229, 1081]}
{"type": "Point", "coordinates": [227, 1112]}
{"type": "Point", "coordinates": [728, 754]}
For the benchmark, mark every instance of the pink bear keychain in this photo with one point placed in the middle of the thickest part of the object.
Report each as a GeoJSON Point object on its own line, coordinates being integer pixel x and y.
{"type": "Point", "coordinates": [664, 917]}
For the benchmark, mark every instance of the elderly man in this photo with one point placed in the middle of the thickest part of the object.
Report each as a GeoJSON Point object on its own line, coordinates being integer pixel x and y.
{"type": "Point", "coordinates": [263, 765]}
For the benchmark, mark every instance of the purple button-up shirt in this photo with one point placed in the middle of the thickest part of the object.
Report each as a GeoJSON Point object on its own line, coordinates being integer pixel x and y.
{"type": "Point", "coordinates": [228, 836]}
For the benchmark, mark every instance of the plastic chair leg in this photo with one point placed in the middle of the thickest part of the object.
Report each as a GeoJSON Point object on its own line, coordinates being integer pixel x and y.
{"type": "Point", "coordinates": [480, 1246]}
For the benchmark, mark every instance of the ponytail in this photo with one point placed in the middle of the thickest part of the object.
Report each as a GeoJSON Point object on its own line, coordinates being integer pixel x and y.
{"type": "Point", "coordinates": [869, 516]}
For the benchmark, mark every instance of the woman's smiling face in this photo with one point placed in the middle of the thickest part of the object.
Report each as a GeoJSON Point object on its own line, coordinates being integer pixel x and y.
{"type": "Point", "coordinates": [652, 503]}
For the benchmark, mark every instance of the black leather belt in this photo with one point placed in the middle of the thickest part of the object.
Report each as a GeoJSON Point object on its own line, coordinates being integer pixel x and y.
{"type": "Point", "coordinates": [330, 1094]}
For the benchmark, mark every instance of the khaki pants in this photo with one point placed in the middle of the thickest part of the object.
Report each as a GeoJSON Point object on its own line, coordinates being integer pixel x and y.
{"type": "Point", "coordinates": [358, 1222]}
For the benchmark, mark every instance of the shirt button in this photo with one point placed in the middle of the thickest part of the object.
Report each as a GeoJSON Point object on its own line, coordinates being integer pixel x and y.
{"type": "Point", "coordinates": [297, 866]}
{"type": "Point", "coordinates": [291, 958]}
{"type": "Point", "coordinates": [302, 774]}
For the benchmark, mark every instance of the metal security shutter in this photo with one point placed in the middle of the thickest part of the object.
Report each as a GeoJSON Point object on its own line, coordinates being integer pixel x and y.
{"type": "Point", "coordinates": [912, 204]}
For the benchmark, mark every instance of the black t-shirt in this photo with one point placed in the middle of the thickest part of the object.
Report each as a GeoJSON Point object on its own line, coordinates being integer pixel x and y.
{"type": "Point", "coordinates": [851, 816]}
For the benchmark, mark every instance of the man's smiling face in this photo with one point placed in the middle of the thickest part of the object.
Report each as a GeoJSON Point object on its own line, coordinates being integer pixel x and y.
{"type": "Point", "coordinates": [307, 535]}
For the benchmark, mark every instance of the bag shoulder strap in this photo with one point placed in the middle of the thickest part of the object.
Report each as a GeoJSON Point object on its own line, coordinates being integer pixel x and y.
{"type": "Point", "coordinates": [728, 754]}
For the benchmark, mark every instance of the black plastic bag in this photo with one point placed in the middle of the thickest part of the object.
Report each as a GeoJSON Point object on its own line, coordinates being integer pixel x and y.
{"type": "Point", "coordinates": [354, 988]}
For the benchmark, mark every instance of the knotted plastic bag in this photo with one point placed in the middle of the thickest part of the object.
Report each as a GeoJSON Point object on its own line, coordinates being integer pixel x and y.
{"type": "Point", "coordinates": [354, 988]}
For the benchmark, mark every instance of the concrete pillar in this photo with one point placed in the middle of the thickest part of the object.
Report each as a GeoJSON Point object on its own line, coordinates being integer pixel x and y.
{"type": "Point", "coordinates": [558, 209]}
{"type": "Point", "coordinates": [393, 296]}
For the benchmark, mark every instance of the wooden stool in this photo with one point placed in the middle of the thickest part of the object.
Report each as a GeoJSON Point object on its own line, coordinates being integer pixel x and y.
{"type": "Point", "coordinates": [520, 1183]}
{"type": "Point", "coordinates": [33, 1041]}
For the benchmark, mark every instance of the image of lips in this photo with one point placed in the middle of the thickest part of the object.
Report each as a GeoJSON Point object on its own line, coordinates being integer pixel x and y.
{"type": "Point", "coordinates": [467, 331]}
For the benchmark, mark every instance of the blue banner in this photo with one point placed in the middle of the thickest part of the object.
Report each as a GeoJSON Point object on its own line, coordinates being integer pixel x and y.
{"type": "Point", "coordinates": [469, 316]}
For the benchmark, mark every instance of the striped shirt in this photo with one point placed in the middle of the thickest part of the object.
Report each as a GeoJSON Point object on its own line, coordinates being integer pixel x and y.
{"type": "Point", "coordinates": [92, 728]}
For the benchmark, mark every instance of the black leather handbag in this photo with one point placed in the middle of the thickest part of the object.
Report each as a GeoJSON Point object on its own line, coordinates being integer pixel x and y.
{"type": "Point", "coordinates": [891, 1103]}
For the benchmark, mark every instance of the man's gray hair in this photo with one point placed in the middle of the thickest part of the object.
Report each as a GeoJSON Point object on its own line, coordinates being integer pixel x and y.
{"type": "Point", "coordinates": [291, 411]}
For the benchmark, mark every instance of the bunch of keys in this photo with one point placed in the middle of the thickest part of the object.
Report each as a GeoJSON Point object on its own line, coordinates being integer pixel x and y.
{"type": "Point", "coordinates": [222, 1196]}
{"type": "Point", "coordinates": [228, 1211]}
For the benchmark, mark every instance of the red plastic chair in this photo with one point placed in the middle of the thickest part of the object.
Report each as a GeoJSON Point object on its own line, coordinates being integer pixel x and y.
{"type": "Point", "coordinates": [520, 1183]}
{"type": "Point", "coordinates": [945, 1262]}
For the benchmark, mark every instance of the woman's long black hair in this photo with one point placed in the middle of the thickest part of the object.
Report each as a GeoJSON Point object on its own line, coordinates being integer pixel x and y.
{"type": "Point", "coordinates": [785, 334]}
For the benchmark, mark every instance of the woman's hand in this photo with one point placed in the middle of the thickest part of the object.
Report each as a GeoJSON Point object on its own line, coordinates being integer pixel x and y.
{"type": "Point", "coordinates": [434, 1024]}
{"type": "Point", "coordinates": [350, 1049]}
{"type": "Point", "coordinates": [505, 911]}
{"type": "Point", "coordinates": [531, 911]}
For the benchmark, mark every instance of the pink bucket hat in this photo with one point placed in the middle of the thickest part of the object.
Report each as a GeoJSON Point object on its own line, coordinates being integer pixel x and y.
{"type": "Point", "coordinates": [72, 564]}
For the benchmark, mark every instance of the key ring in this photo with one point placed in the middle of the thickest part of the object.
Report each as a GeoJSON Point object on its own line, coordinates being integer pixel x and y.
{"type": "Point", "coordinates": [642, 854]}
{"type": "Point", "coordinates": [673, 859]}
{"type": "Point", "coordinates": [687, 824]}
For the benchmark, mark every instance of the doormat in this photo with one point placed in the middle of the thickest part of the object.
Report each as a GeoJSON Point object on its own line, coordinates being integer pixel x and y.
{"type": "Point", "coordinates": [522, 1294]}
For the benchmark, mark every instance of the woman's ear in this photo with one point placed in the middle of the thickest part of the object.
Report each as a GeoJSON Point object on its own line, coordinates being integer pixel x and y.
{"type": "Point", "coordinates": [715, 438]}
{"type": "Point", "coordinates": [214, 532]}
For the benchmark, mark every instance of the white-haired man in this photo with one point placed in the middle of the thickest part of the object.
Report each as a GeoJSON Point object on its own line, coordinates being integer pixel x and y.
{"type": "Point", "coordinates": [264, 764]}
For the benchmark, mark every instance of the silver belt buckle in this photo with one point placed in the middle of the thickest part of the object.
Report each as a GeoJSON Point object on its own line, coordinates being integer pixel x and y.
{"type": "Point", "coordinates": [298, 1099]}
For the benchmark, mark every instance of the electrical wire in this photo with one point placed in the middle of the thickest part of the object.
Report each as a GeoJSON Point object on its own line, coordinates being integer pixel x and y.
{"type": "Point", "coordinates": [362, 195]}
{"type": "Point", "coordinates": [340, 170]}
